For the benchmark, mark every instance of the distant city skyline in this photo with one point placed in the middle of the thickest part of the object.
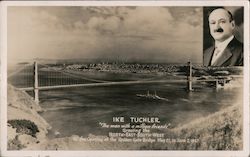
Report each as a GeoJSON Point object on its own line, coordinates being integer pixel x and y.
{"type": "Point", "coordinates": [156, 34]}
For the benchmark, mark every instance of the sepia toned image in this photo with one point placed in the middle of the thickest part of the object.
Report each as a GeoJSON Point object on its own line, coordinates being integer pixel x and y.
{"type": "Point", "coordinates": [126, 77]}
{"type": "Point", "coordinates": [226, 29]}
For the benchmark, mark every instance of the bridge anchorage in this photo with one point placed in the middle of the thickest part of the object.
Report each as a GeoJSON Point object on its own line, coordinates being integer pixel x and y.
{"type": "Point", "coordinates": [217, 81]}
{"type": "Point", "coordinates": [68, 79]}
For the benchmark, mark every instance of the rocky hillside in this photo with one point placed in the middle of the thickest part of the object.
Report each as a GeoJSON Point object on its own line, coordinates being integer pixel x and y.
{"type": "Point", "coordinates": [25, 126]}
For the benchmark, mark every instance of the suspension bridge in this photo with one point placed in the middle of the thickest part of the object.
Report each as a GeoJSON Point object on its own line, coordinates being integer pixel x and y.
{"type": "Point", "coordinates": [34, 77]}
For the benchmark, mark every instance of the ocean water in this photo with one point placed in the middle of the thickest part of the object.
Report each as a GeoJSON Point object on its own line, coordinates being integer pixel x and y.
{"type": "Point", "coordinates": [78, 111]}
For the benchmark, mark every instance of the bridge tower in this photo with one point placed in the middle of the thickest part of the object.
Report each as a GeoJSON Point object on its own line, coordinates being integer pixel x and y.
{"type": "Point", "coordinates": [36, 91]}
{"type": "Point", "coordinates": [189, 77]}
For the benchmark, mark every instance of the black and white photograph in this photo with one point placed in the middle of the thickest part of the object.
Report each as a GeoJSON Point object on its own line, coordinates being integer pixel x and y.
{"type": "Point", "coordinates": [226, 29]}
{"type": "Point", "coordinates": [125, 78]}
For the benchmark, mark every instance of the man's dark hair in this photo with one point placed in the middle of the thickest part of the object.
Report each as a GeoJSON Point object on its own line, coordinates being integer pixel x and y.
{"type": "Point", "coordinates": [229, 13]}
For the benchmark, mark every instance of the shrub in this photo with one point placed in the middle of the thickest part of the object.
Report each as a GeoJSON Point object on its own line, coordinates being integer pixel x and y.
{"type": "Point", "coordinates": [24, 126]}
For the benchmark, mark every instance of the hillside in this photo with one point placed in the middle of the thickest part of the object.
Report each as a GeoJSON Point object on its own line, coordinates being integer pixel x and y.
{"type": "Point", "coordinates": [22, 110]}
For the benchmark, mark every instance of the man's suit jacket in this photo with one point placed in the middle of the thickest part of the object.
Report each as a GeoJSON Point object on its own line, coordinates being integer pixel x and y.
{"type": "Point", "coordinates": [232, 55]}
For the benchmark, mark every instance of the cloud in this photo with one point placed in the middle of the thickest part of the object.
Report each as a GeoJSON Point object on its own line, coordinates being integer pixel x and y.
{"type": "Point", "coordinates": [149, 20]}
{"type": "Point", "coordinates": [102, 25]}
{"type": "Point", "coordinates": [126, 33]}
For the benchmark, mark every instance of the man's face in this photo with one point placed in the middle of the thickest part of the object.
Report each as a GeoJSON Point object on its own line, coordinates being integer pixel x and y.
{"type": "Point", "coordinates": [220, 25]}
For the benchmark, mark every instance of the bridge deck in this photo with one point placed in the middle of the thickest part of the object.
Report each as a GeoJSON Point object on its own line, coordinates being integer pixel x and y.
{"type": "Point", "coordinates": [112, 83]}
{"type": "Point", "coordinates": [100, 84]}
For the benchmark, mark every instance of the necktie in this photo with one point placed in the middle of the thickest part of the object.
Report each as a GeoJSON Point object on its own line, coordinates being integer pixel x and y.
{"type": "Point", "coordinates": [215, 55]}
{"type": "Point", "coordinates": [216, 51]}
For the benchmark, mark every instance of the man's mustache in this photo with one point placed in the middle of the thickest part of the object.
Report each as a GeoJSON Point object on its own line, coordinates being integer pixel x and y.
{"type": "Point", "coordinates": [219, 30]}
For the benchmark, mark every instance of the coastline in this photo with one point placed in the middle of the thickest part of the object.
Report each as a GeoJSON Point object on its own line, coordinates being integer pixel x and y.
{"type": "Point", "coordinates": [219, 131]}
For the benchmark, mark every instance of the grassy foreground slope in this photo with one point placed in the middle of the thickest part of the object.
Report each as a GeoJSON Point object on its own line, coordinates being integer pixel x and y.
{"type": "Point", "coordinates": [219, 131]}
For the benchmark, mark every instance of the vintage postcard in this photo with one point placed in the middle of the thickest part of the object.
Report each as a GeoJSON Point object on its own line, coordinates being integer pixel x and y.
{"type": "Point", "coordinates": [124, 78]}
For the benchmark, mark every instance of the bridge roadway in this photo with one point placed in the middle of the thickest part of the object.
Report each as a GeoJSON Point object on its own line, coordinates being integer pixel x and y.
{"type": "Point", "coordinates": [112, 83]}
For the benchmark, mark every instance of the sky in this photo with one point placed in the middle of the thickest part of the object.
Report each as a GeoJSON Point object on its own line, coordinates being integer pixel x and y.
{"type": "Point", "coordinates": [155, 34]}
